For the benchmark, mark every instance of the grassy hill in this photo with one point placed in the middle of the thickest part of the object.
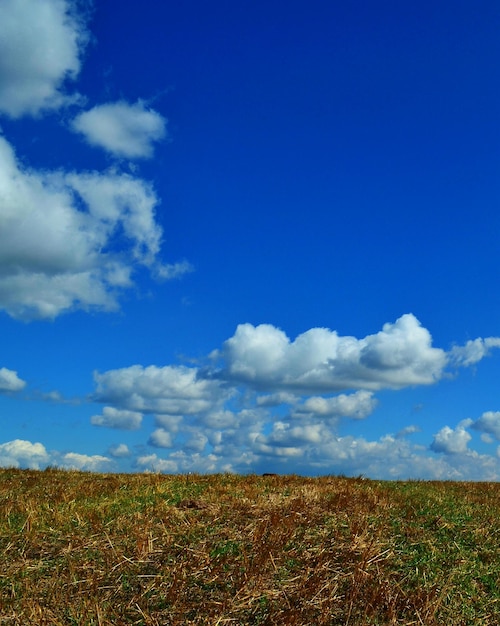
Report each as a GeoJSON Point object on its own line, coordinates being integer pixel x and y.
{"type": "Point", "coordinates": [102, 549]}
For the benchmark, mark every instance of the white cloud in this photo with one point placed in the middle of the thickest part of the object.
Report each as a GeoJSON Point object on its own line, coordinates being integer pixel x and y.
{"type": "Point", "coordinates": [40, 47]}
{"type": "Point", "coordinates": [125, 130]}
{"type": "Point", "coordinates": [320, 360]}
{"type": "Point", "coordinates": [169, 422]}
{"type": "Point", "coordinates": [451, 441]}
{"type": "Point", "coordinates": [120, 451]}
{"type": "Point", "coordinates": [318, 450]}
{"type": "Point", "coordinates": [152, 463]}
{"type": "Point", "coordinates": [473, 351]}
{"type": "Point", "coordinates": [315, 448]}
{"type": "Point", "coordinates": [221, 420]}
{"type": "Point", "coordinates": [196, 442]}
{"type": "Point", "coordinates": [84, 462]}
{"type": "Point", "coordinates": [292, 428]}
{"type": "Point", "coordinates": [161, 438]}
{"type": "Point", "coordinates": [257, 440]}
{"type": "Point", "coordinates": [181, 462]}
{"type": "Point", "coordinates": [275, 399]}
{"type": "Point", "coordinates": [23, 454]}
{"type": "Point", "coordinates": [10, 381]}
{"type": "Point", "coordinates": [489, 423]}
{"type": "Point", "coordinates": [71, 241]}
{"type": "Point", "coordinates": [119, 201]}
{"type": "Point", "coordinates": [171, 390]}
{"type": "Point", "coordinates": [408, 430]}
{"type": "Point", "coordinates": [356, 406]}
{"type": "Point", "coordinates": [283, 434]}
{"type": "Point", "coordinates": [117, 418]}
{"type": "Point", "coordinates": [396, 458]}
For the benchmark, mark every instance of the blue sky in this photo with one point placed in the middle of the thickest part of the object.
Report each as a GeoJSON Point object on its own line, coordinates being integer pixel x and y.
{"type": "Point", "coordinates": [248, 237]}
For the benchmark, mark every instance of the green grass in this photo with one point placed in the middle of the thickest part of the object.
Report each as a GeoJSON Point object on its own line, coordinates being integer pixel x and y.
{"type": "Point", "coordinates": [94, 549]}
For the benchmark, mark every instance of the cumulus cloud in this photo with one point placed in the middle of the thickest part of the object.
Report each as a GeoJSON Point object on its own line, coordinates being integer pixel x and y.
{"type": "Point", "coordinates": [315, 448]}
{"type": "Point", "coordinates": [271, 404]}
{"type": "Point", "coordinates": [117, 418]}
{"type": "Point", "coordinates": [182, 462]}
{"type": "Point", "coordinates": [473, 351]}
{"type": "Point", "coordinates": [396, 458]}
{"type": "Point", "coordinates": [196, 442]}
{"type": "Point", "coordinates": [169, 422]}
{"type": "Point", "coordinates": [171, 390]}
{"type": "Point", "coordinates": [488, 423]}
{"type": "Point", "coordinates": [275, 399]}
{"type": "Point", "coordinates": [408, 430]}
{"type": "Point", "coordinates": [72, 241]}
{"type": "Point", "coordinates": [221, 420]}
{"type": "Point", "coordinates": [10, 381]}
{"type": "Point", "coordinates": [119, 451]}
{"type": "Point", "coordinates": [84, 462]}
{"type": "Point", "coordinates": [23, 454]}
{"type": "Point", "coordinates": [125, 130]}
{"type": "Point", "coordinates": [320, 360]}
{"type": "Point", "coordinates": [356, 406]}
{"type": "Point", "coordinates": [451, 440]}
{"type": "Point", "coordinates": [161, 438]}
{"type": "Point", "coordinates": [294, 439]}
{"type": "Point", "coordinates": [231, 432]}
{"type": "Point", "coordinates": [40, 46]}
{"type": "Point", "coordinates": [152, 463]}
{"type": "Point", "coordinates": [27, 455]}
{"type": "Point", "coordinates": [302, 449]}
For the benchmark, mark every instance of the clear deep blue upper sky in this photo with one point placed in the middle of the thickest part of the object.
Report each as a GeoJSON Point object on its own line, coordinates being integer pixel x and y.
{"type": "Point", "coordinates": [250, 236]}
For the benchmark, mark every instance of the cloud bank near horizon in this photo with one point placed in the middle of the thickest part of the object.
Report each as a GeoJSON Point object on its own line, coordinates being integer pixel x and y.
{"type": "Point", "coordinates": [263, 401]}
{"type": "Point", "coordinates": [266, 400]}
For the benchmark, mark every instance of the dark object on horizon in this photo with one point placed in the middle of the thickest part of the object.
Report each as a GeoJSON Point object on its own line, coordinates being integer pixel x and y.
{"type": "Point", "coordinates": [192, 504]}
{"type": "Point", "coordinates": [269, 474]}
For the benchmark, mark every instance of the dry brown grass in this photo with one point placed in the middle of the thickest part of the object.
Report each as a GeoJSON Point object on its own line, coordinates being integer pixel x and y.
{"type": "Point", "coordinates": [92, 549]}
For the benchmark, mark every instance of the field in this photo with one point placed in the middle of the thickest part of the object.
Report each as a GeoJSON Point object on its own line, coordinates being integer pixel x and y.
{"type": "Point", "coordinates": [101, 549]}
